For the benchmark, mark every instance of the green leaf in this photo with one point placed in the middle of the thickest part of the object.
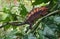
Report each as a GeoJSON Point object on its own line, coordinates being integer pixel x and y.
{"type": "Point", "coordinates": [23, 11]}
{"type": "Point", "coordinates": [20, 34]}
{"type": "Point", "coordinates": [49, 33]}
{"type": "Point", "coordinates": [53, 27]}
{"type": "Point", "coordinates": [18, 0]}
{"type": "Point", "coordinates": [25, 37]}
{"type": "Point", "coordinates": [6, 27]}
{"type": "Point", "coordinates": [39, 2]}
{"type": "Point", "coordinates": [41, 35]}
{"type": "Point", "coordinates": [58, 4]}
{"type": "Point", "coordinates": [6, 20]}
{"type": "Point", "coordinates": [4, 16]}
{"type": "Point", "coordinates": [57, 19]}
{"type": "Point", "coordinates": [13, 17]}
{"type": "Point", "coordinates": [11, 35]}
{"type": "Point", "coordinates": [7, 10]}
{"type": "Point", "coordinates": [31, 36]}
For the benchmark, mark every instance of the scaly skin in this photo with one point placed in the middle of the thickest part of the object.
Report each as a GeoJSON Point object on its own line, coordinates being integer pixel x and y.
{"type": "Point", "coordinates": [36, 13]}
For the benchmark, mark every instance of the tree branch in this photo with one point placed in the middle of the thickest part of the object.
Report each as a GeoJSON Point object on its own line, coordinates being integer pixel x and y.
{"type": "Point", "coordinates": [46, 16]}
{"type": "Point", "coordinates": [34, 26]}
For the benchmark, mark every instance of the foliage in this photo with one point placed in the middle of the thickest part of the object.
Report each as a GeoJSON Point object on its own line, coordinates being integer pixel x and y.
{"type": "Point", "coordinates": [47, 28]}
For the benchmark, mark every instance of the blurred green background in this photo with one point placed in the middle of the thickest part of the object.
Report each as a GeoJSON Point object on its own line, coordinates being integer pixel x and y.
{"type": "Point", "coordinates": [16, 11]}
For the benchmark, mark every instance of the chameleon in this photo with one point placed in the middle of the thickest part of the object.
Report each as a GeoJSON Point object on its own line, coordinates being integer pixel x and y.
{"type": "Point", "coordinates": [32, 15]}
{"type": "Point", "coordinates": [35, 14]}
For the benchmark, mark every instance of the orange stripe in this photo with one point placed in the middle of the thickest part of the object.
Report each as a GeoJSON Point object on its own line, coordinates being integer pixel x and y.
{"type": "Point", "coordinates": [34, 11]}
{"type": "Point", "coordinates": [37, 9]}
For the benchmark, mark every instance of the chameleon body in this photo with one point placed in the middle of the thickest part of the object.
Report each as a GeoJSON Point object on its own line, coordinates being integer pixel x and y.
{"type": "Point", "coordinates": [35, 14]}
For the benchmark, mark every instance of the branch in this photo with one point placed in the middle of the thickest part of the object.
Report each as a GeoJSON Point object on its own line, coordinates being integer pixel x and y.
{"type": "Point", "coordinates": [34, 26]}
{"type": "Point", "coordinates": [46, 16]}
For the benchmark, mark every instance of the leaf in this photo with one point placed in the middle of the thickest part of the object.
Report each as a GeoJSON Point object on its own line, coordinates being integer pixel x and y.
{"type": "Point", "coordinates": [57, 19]}
{"type": "Point", "coordinates": [20, 34]}
{"type": "Point", "coordinates": [13, 17]}
{"type": "Point", "coordinates": [58, 4]}
{"type": "Point", "coordinates": [18, 0]}
{"type": "Point", "coordinates": [53, 27]}
{"type": "Point", "coordinates": [41, 35]}
{"type": "Point", "coordinates": [11, 35]}
{"type": "Point", "coordinates": [6, 27]}
{"type": "Point", "coordinates": [6, 10]}
{"type": "Point", "coordinates": [49, 33]}
{"type": "Point", "coordinates": [4, 16]}
{"type": "Point", "coordinates": [31, 36]}
{"type": "Point", "coordinates": [23, 11]}
{"type": "Point", "coordinates": [39, 2]}
{"type": "Point", "coordinates": [25, 37]}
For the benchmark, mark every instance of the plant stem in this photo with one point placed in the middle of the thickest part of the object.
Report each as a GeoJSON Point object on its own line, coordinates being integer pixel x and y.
{"type": "Point", "coordinates": [38, 21]}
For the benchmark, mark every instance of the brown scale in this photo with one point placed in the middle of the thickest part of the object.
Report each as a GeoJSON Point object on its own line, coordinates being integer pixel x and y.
{"type": "Point", "coordinates": [35, 14]}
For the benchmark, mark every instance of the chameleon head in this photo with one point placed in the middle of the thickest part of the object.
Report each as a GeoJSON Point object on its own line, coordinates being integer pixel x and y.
{"type": "Point", "coordinates": [44, 8]}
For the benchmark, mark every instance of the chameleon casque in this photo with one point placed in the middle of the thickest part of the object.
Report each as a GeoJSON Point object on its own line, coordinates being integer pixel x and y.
{"type": "Point", "coordinates": [35, 14]}
{"type": "Point", "coordinates": [32, 15]}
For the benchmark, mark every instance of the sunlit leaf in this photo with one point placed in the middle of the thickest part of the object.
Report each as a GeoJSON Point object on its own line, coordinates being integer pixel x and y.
{"type": "Point", "coordinates": [23, 11]}
{"type": "Point", "coordinates": [40, 1]}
